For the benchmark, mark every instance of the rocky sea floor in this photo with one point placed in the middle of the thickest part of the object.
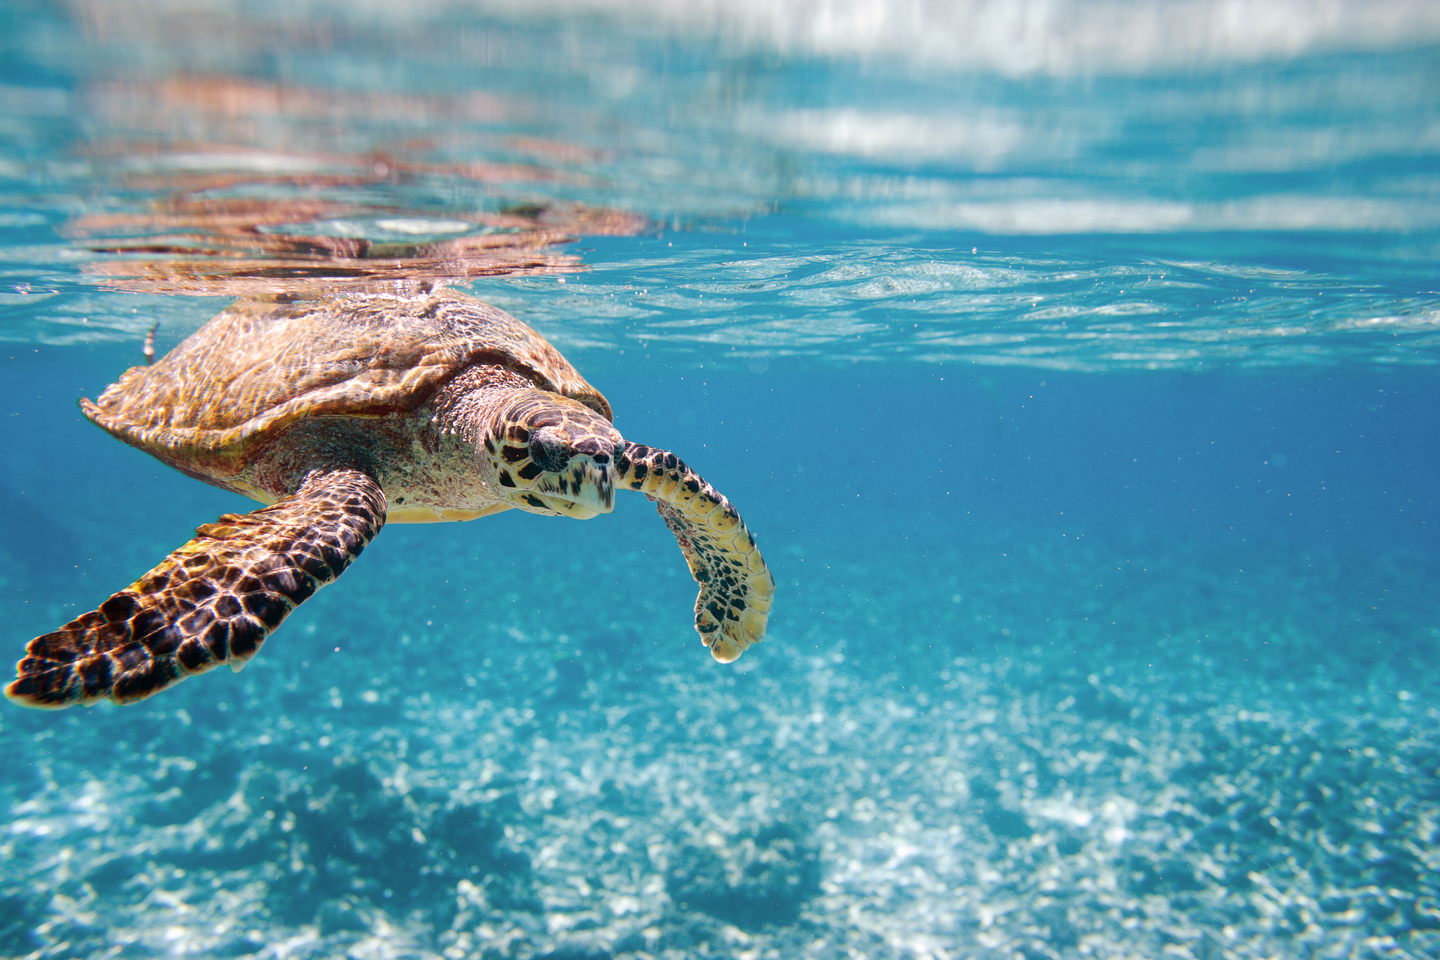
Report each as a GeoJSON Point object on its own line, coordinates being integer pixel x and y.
{"type": "Point", "coordinates": [1097, 748]}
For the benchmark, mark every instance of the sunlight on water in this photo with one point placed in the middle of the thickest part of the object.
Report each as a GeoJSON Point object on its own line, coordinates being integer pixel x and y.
{"type": "Point", "coordinates": [896, 301]}
{"type": "Point", "coordinates": [770, 293]}
{"type": "Point", "coordinates": [480, 145]}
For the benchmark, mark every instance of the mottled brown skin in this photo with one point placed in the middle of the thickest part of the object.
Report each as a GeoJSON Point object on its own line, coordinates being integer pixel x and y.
{"type": "Point", "coordinates": [735, 585]}
{"type": "Point", "coordinates": [344, 415]}
{"type": "Point", "coordinates": [212, 601]}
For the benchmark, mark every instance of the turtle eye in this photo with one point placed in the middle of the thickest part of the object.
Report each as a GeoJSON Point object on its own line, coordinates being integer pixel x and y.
{"type": "Point", "coordinates": [549, 454]}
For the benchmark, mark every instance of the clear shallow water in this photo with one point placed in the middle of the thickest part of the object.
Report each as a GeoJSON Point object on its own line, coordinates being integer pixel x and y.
{"type": "Point", "coordinates": [1075, 371]}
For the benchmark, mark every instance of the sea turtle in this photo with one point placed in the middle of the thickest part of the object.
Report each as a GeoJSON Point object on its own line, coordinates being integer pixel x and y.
{"type": "Point", "coordinates": [343, 414]}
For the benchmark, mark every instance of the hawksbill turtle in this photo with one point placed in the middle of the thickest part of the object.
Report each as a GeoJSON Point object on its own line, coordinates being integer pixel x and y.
{"type": "Point", "coordinates": [341, 415]}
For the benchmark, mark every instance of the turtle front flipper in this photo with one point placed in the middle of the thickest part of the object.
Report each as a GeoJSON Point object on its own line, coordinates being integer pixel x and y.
{"type": "Point", "coordinates": [212, 601]}
{"type": "Point", "coordinates": [736, 588]}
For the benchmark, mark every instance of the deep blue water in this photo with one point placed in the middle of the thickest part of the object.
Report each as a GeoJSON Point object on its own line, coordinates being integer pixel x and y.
{"type": "Point", "coordinates": [1073, 364]}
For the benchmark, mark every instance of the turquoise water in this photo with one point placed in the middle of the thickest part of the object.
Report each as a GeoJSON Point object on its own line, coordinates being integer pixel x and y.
{"type": "Point", "coordinates": [1073, 364]}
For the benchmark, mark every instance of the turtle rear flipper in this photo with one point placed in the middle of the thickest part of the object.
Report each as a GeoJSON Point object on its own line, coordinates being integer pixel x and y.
{"type": "Point", "coordinates": [736, 588]}
{"type": "Point", "coordinates": [212, 601]}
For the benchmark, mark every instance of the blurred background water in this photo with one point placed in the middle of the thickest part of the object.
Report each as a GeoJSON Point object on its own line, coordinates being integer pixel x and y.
{"type": "Point", "coordinates": [1073, 363]}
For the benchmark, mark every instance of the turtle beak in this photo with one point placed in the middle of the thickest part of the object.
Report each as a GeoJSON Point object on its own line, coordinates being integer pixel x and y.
{"type": "Point", "coordinates": [594, 484]}
{"type": "Point", "coordinates": [585, 488]}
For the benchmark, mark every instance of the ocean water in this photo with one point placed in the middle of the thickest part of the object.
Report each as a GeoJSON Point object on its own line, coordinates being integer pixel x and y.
{"type": "Point", "coordinates": [1074, 365]}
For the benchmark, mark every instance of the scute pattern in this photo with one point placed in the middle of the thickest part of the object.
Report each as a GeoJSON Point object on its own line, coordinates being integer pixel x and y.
{"type": "Point", "coordinates": [258, 367]}
{"type": "Point", "coordinates": [212, 601]}
{"type": "Point", "coordinates": [736, 588]}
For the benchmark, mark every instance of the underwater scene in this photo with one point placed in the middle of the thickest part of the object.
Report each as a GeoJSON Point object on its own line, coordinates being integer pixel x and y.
{"type": "Point", "coordinates": [1074, 367]}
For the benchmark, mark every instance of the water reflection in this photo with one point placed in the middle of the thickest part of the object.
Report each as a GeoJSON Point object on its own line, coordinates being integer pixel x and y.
{"type": "Point", "coordinates": [291, 234]}
{"type": "Point", "coordinates": [1002, 117]}
{"type": "Point", "coordinates": [267, 150]}
{"type": "Point", "coordinates": [221, 184]}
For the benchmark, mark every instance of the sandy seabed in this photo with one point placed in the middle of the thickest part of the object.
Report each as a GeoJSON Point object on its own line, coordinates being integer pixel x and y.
{"type": "Point", "coordinates": [1120, 748]}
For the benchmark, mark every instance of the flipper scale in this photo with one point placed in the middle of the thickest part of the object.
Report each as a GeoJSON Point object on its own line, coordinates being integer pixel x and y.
{"type": "Point", "coordinates": [736, 587]}
{"type": "Point", "coordinates": [214, 600]}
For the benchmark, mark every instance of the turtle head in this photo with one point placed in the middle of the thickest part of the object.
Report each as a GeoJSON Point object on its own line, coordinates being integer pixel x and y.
{"type": "Point", "coordinates": [553, 456]}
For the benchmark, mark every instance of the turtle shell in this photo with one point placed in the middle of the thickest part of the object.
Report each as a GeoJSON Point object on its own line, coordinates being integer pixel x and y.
{"type": "Point", "coordinates": [259, 367]}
